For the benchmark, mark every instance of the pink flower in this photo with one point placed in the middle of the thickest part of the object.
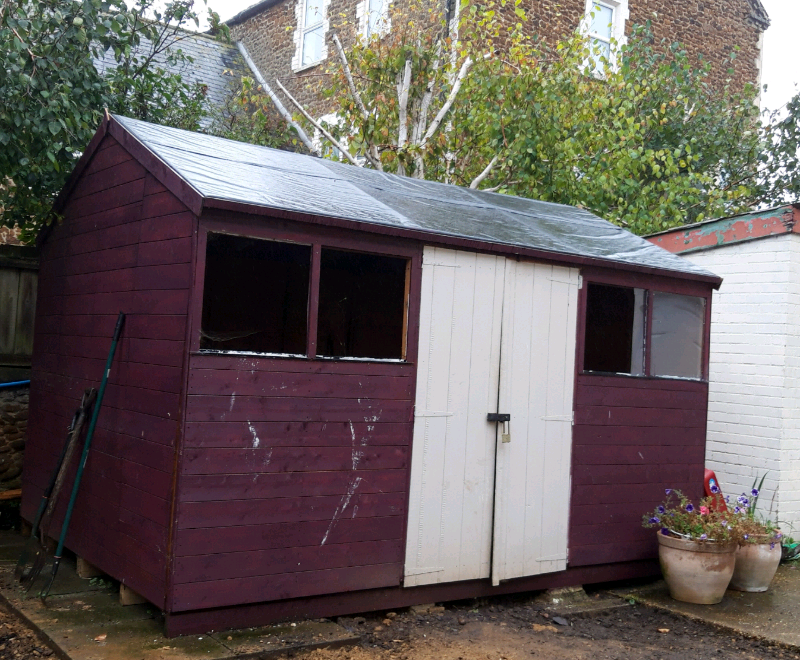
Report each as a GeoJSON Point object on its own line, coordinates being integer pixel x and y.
{"type": "Point", "coordinates": [703, 510]}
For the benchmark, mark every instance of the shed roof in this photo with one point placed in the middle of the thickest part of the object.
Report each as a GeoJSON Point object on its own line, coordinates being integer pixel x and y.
{"type": "Point", "coordinates": [209, 171]}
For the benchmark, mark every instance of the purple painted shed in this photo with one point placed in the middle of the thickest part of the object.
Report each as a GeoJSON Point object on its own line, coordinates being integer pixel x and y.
{"type": "Point", "coordinates": [296, 422]}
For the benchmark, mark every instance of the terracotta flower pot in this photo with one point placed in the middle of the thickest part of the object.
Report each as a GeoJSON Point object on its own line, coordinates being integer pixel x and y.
{"type": "Point", "coordinates": [756, 564]}
{"type": "Point", "coordinates": [696, 572]}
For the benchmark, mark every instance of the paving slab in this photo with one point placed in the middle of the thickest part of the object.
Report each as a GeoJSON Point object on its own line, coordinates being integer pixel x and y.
{"type": "Point", "coordinates": [83, 620]}
{"type": "Point", "coordinates": [771, 615]}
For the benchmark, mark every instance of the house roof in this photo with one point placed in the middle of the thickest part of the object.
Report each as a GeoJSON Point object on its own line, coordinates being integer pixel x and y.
{"type": "Point", "coordinates": [759, 14]}
{"type": "Point", "coordinates": [212, 172]}
{"type": "Point", "coordinates": [257, 8]}
{"type": "Point", "coordinates": [210, 59]}
{"type": "Point", "coordinates": [717, 232]}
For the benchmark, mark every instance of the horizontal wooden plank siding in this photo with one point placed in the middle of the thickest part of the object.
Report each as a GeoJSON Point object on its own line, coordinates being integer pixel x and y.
{"type": "Point", "coordinates": [632, 439]}
{"type": "Point", "coordinates": [112, 253]}
{"type": "Point", "coordinates": [293, 479]}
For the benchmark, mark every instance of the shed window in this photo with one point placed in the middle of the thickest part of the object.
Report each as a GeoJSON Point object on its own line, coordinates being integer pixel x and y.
{"type": "Point", "coordinates": [677, 343]}
{"type": "Point", "coordinates": [255, 296]}
{"type": "Point", "coordinates": [362, 299]}
{"type": "Point", "coordinates": [614, 338]}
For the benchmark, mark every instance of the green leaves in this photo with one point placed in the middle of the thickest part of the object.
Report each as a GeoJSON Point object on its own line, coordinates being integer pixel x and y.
{"type": "Point", "coordinates": [53, 97]}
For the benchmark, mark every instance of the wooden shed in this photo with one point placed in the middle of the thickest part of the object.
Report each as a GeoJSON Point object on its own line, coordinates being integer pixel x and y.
{"type": "Point", "coordinates": [297, 423]}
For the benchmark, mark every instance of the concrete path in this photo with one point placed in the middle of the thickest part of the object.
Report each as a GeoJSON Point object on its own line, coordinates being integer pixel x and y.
{"type": "Point", "coordinates": [772, 615]}
{"type": "Point", "coordinates": [84, 620]}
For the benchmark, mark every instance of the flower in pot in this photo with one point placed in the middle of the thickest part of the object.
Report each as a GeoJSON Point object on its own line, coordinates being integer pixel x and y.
{"type": "Point", "coordinates": [696, 548]}
{"type": "Point", "coordinates": [759, 551]}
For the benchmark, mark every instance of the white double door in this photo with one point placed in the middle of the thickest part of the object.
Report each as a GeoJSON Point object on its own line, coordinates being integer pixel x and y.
{"type": "Point", "coordinates": [496, 336]}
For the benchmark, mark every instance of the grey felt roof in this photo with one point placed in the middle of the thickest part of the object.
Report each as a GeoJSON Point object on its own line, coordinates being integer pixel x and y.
{"type": "Point", "coordinates": [211, 58]}
{"type": "Point", "coordinates": [259, 176]}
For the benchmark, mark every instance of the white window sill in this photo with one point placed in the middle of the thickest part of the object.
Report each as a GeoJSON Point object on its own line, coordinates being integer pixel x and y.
{"type": "Point", "coordinates": [305, 67]}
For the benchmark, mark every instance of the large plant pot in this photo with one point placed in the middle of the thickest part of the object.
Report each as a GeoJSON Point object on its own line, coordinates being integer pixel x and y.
{"type": "Point", "coordinates": [696, 572]}
{"type": "Point", "coordinates": [756, 564]}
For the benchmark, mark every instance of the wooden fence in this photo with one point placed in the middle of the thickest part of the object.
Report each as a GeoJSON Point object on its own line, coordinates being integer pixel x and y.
{"type": "Point", "coordinates": [18, 279]}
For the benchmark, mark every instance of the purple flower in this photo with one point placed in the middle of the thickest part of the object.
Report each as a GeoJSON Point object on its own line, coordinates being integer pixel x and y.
{"type": "Point", "coordinates": [724, 522]}
{"type": "Point", "coordinates": [661, 509]}
{"type": "Point", "coordinates": [654, 520]}
{"type": "Point", "coordinates": [667, 491]}
{"type": "Point", "coordinates": [754, 492]}
{"type": "Point", "coordinates": [703, 537]}
{"type": "Point", "coordinates": [727, 498]}
{"type": "Point", "coordinates": [729, 528]}
{"type": "Point", "coordinates": [778, 535]}
{"type": "Point", "coordinates": [772, 546]}
{"type": "Point", "coordinates": [737, 510]}
{"type": "Point", "coordinates": [689, 508]}
{"type": "Point", "coordinates": [665, 531]}
{"type": "Point", "coordinates": [743, 500]}
{"type": "Point", "coordinates": [715, 489]}
{"type": "Point", "coordinates": [746, 536]}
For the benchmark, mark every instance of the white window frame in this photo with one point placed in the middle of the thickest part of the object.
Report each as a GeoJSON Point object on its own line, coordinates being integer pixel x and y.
{"type": "Point", "coordinates": [303, 29]}
{"type": "Point", "coordinates": [620, 17]}
{"type": "Point", "coordinates": [362, 15]}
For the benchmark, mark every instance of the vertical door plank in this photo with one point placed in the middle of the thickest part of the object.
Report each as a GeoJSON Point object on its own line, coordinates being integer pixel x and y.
{"type": "Point", "coordinates": [26, 311]}
{"type": "Point", "coordinates": [9, 297]}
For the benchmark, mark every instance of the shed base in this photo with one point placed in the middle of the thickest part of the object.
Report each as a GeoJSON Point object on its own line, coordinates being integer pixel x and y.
{"type": "Point", "coordinates": [247, 616]}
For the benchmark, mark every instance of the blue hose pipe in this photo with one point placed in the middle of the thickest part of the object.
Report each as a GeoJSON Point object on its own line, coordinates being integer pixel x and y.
{"type": "Point", "coordinates": [15, 384]}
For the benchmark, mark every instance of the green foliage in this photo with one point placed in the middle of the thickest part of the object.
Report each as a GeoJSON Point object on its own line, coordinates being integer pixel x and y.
{"type": "Point", "coordinates": [53, 97]}
{"type": "Point", "coordinates": [644, 141]}
{"type": "Point", "coordinates": [248, 115]}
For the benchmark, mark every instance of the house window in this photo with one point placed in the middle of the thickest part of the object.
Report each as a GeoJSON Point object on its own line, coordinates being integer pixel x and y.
{"type": "Point", "coordinates": [617, 339]}
{"type": "Point", "coordinates": [677, 341]}
{"type": "Point", "coordinates": [373, 17]}
{"type": "Point", "coordinates": [309, 37]}
{"type": "Point", "coordinates": [362, 305]}
{"type": "Point", "coordinates": [255, 296]}
{"type": "Point", "coordinates": [614, 338]}
{"type": "Point", "coordinates": [604, 23]}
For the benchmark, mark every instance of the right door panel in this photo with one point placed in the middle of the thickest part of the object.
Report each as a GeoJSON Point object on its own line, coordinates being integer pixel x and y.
{"type": "Point", "coordinates": [537, 371]}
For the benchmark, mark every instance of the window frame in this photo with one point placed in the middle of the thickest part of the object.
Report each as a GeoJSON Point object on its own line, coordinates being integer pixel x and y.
{"type": "Point", "coordinates": [317, 240]}
{"type": "Point", "coordinates": [303, 30]}
{"type": "Point", "coordinates": [651, 285]}
{"type": "Point", "coordinates": [620, 16]}
{"type": "Point", "coordinates": [363, 13]}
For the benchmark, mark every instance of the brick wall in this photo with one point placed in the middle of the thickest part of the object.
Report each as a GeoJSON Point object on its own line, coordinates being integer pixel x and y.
{"type": "Point", "coordinates": [709, 27]}
{"type": "Point", "coordinates": [753, 419]}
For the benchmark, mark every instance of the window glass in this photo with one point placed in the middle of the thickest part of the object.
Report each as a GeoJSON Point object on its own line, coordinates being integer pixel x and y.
{"type": "Point", "coordinates": [375, 20]}
{"type": "Point", "coordinates": [677, 335]}
{"type": "Point", "coordinates": [312, 46]}
{"type": "Point", "coordinates": [362, 299]}
{"type": "Point", "coordinates": [615, 326]}
{"type": "Point", "coordinates": [255, 295]}
{"type": "Point", "coordinates": [313, 12]}
{"type": "Point", "coordinates": [602, 19]}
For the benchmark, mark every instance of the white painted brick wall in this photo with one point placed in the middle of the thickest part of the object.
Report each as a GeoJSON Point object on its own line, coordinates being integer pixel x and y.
{"type": "Point", "coordinates": [754, 389]}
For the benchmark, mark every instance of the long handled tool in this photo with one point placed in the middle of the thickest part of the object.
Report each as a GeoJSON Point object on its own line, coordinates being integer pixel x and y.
{"type": "Point", "coordinates": [87, 443]}
{"type": "Point", "coordinates": [32, 559]}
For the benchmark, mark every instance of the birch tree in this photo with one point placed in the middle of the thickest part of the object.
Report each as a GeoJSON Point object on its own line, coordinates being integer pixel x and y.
{"type": "Point", "coordinates": [645, 141]}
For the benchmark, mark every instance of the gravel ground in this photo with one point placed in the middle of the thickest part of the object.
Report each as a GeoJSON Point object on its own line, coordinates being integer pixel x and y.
{"type": "Point", "coordinates": [516, 628]}
{"type": "Point", "coordinates": [18, 640]}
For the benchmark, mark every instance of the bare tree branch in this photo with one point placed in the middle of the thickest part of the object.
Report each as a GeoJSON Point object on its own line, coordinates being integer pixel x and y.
{"type": "Point", "coordinates": [479, 179]}
{"type": "Point", "coordinates": [278, 105]}
{"type": "Point", "coordinates": [448, 103]}
{"type": "Point", "coordinates": [402, 109]}
{"type": "Point", "coordinates": [422, 120]}
{"type": "Point", "coordinates": [319, 127]}
{"type": "Point", "coordinates": [372, 151]}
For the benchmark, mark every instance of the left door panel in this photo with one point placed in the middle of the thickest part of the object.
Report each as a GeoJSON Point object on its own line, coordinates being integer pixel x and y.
{"type": "Point", "coordinates": [453, 461]}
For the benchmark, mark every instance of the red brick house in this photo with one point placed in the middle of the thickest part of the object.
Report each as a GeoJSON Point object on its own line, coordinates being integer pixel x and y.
{"type": "Point", "coordinates": [290, 39]}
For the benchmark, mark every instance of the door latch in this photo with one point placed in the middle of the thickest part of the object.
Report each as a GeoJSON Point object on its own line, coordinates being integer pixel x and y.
{"type": "Point", "coordinates": [505, 418]}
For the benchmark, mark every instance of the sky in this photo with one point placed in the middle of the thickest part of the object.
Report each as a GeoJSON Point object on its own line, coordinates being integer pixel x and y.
{"type": "Point", "coordinates": [781, 68]}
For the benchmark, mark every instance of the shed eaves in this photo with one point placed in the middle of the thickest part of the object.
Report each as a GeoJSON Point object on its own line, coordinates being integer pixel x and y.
{"type": "Point", "coordinates": [210, 60]}
{"type": "Point", "coordinates": [225, 170]}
